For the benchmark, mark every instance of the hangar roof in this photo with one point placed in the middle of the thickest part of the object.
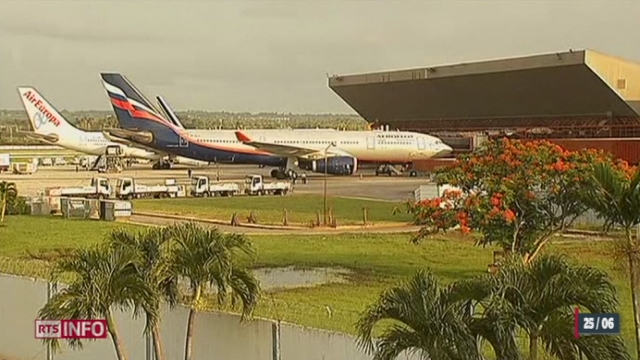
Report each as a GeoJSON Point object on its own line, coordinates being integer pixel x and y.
{"type": "Point", "coordinates": [524, 91]}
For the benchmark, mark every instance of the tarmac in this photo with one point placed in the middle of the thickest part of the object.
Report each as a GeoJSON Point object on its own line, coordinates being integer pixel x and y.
{"type": "Point", "coordinates": [364, 185]}
{"type": "Point", "coordinates": [368, 186]}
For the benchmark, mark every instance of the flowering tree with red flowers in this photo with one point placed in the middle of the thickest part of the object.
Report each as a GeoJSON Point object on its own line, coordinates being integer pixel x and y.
{"type": "Point", "coordinates": [515, 194]}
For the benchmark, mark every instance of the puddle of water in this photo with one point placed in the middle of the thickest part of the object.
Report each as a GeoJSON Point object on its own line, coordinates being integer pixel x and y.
{"type": "Point", "coordinates": [290, 277]}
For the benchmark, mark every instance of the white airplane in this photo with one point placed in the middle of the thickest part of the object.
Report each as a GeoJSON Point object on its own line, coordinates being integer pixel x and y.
{"type": "Point", "coordinates": [142, 123]}
{"type": "Point", "coordinates": [52, 128]}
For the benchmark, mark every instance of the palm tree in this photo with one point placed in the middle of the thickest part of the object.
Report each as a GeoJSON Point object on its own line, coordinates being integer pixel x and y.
{"type": "Point", "coordinates": [103, 278]}
{"type": "Point", "coordinates": [423, 319]}
{"type": "Point", "coordinates": [8, 193]}
{"type": "Point", "coordinates": [617, 199]}
{"type": "Point", "coordinates": [540, 299]}
{"type": "Point", "coordinates": [206, 256]}
{"type": "Point", "coordinates": [154, 268]}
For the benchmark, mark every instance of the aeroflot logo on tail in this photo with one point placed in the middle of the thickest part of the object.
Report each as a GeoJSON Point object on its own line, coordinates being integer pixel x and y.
{"type": "Point", "coordinates": [39, 104]}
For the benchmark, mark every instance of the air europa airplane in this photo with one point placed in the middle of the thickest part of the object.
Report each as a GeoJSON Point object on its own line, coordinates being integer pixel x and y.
{"type": "Point", "coordinates": [52, 128]}
{"type": "Point", "coordinates": [287, 150]}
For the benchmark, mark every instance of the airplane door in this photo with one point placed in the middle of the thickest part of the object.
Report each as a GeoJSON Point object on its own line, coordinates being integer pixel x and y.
{"type": "Point", "coordinates": [183, 142]}
{"type": "Point", "coordinates": [421, 144]}
{"type": "Point", "coordinates": [371, 142]}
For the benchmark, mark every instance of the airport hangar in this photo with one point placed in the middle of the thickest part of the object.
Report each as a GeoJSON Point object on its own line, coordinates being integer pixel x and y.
{"type": "Point", "coordinates": [577, 99]}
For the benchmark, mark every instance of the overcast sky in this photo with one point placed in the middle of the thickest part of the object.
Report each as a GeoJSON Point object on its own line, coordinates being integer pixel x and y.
{"type": "Point", "coordinates": [274, 55]}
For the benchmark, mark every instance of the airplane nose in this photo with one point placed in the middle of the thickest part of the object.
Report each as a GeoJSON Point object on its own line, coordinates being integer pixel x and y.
{"type": "Point", "coordinates": [444, 150]}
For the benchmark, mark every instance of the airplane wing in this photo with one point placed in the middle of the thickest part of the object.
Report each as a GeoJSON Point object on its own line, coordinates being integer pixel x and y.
{"type": "Point", "coordinates": [288, 150]}
{"type": "Point", "coordinates": [50, 138]}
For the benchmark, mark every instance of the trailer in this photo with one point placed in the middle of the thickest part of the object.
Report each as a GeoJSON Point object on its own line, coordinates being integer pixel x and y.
{"type": "Point", "coordinates": [255, 185]}
{"type": "Point", "coordinates": [100, 188]}
{"type": "Point", "coordinates": [203, 187]}
{"type": "Point", "coordinates": [129, 188]}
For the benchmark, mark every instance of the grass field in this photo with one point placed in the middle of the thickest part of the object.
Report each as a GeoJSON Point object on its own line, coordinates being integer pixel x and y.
{"type": "Point", "coordinates": [270, 209]}
{"type": "Point", "coordinates": [377, 262]}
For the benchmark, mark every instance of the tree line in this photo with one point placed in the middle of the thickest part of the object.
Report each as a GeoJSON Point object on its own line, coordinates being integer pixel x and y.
{"type": "Point", "coordinates": [13, 121]}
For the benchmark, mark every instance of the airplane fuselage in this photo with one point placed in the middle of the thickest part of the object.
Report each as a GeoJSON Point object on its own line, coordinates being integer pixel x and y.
{"type": "Point", "coordinates": [95, 143]}
{"type": "Point", "coordinates": [222, 146]}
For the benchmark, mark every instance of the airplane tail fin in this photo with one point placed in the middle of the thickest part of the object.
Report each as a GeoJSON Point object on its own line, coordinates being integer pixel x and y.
{"type": "Point", "coordinates": [132, 108]}
{"type": "Point", "coordinates": [44, 118]}
{"type": "Point", "coordinates": [171, 115]}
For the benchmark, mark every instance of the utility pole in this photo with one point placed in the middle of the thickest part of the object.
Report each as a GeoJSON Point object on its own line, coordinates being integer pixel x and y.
{"type": "Point", "coordinates": [326, 167]}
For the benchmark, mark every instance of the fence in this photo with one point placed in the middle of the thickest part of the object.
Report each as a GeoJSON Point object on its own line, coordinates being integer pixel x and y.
{"type": "Point", "coordinates": [216, 335]}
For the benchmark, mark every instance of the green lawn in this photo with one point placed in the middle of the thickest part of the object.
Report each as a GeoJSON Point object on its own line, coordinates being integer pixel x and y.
{"type": "Point", "coordinates": [377, 261]}
{"type": "Point", "coordinates": [270, 209]}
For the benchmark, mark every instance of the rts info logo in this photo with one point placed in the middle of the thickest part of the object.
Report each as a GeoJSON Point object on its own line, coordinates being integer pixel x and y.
{"type": "Point", "coordinates": [71, 329]}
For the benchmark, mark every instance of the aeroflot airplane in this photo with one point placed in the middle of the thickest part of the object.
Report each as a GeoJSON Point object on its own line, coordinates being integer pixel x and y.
{"type": "Point", "coordinates": [52, 128]}
{"type": "Point", "coordinates": [287, 150]}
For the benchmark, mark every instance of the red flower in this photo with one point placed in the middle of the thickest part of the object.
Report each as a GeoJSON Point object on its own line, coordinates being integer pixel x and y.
{"type": "Point", "coordinates": [509, 215]}
{"type": "Point", "coordinates": [495, 201]}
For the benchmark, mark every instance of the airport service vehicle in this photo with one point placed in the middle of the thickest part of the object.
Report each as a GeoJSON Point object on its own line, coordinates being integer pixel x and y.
{"type": "Point", "coordinates": [203, 187]}
{"type": "Point", "coordinates": [129, 188]}
{"type": "Point", "coordinates": [100, 188]}
{"type": "Point", "coordinates": [5, 162]}
{"type": "Point", "coordinates": [46, 161]}
{"type": "Point", "coordinates": [255, 185]}
{"type": "Point", "coordinates": [25, 167]}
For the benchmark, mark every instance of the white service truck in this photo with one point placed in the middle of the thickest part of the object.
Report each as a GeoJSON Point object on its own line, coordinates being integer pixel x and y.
{"type": "Point", "coordinates": [100, 188]}
{"type": "Point", "coordinates": [203, 187]}
{"type": "Point", "coordinates": [22, 168]}
{"type": "Point", "coordinates": [255, 185]}
{"type": "Point", "coordinates": [129, 188]}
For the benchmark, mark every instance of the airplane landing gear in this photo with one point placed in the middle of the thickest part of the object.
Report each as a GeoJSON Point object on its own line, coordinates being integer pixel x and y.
{"type": "Point", "coordinates": [390, 170]}
{"type": "Point", "coordinates": [284, 174]}
{"type": "Point", "coordinates": [161, 165]}
{"type": "Point", "coordinates": [292, 174]}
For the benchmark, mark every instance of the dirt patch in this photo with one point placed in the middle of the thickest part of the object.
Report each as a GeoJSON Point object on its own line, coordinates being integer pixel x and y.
{"type": "Point", "coordinates": [291, 277]}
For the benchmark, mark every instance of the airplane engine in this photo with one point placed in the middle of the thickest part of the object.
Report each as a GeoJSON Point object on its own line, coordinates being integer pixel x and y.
{"type": "Point", "coordinates": [337, 165]}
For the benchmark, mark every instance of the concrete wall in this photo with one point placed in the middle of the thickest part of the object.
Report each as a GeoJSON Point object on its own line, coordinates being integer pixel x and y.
{"type": "Point", "coordinates": [216, 335]}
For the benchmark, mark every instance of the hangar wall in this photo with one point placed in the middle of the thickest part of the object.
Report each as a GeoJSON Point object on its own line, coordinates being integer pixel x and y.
{"type": "Point", "coordinates": [621, 75]}
{"type": "Point", "coordinates": [572, 94]}
{"type": "Point", "coordinates": [541, 90]}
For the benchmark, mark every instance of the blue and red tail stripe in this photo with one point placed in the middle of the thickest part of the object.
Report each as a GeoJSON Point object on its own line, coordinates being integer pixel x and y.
{"type": "Point", "coordinates": [135, 111]}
